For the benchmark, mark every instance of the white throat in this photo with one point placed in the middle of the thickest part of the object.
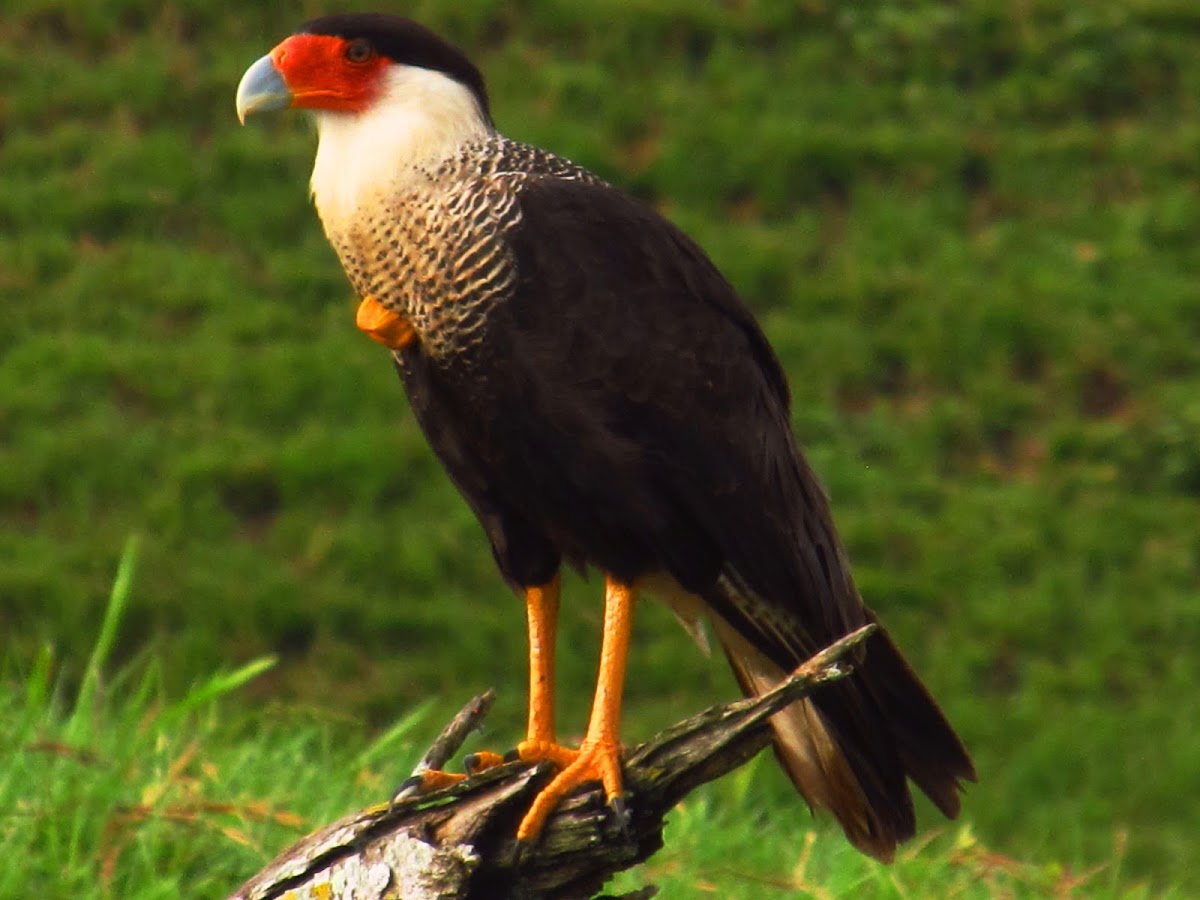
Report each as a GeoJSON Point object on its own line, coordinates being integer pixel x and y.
{"type": "Point", "coordinates": [420, 118]}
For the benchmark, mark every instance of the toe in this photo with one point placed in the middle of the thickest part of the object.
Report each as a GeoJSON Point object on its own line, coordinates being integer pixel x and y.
{"type": "Point", "coordinates": [546, 751]}
{"type": "Point", "coordinates": [475, 763]}
{"type": "Point", "coordinates": [435, 780]}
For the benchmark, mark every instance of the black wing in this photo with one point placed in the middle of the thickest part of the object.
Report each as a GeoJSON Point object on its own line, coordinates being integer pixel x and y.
{"type": "Point", "coordinates": [523, 553]}
{"type": "Point", "coordinates": [627, 329]}
{"type": "Point", "coordinates": [628, 320]}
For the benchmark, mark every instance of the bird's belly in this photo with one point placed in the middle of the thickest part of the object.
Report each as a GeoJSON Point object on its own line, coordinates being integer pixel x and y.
{"type": "Point", "coordinates": [591, 508]}
{"type": "Point", "coordinates": [563, 476]}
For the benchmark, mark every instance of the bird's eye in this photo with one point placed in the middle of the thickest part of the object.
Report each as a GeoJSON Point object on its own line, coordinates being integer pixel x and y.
{"type": "Point", "coordinates": [359, 51]}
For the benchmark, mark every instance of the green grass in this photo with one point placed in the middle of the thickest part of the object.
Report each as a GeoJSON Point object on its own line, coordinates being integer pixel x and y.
{"type": "Point", "coordinates": [122, 790]}
{"type": "Point", "coordinates": [972, 231]}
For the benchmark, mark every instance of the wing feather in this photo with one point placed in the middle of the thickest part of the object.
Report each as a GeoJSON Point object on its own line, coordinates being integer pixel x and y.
{"type": "Point", "coordinates": [628, 317]}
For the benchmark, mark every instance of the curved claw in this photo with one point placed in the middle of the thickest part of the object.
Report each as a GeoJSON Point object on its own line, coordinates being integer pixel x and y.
{"type": "Point", "coordinates": [622, 815]}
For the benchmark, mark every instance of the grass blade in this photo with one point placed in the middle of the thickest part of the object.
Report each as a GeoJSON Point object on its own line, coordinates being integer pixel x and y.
{"type": "Point", "coordinates": [219, 685]}
{"type": "Point", "coordinates": [118, 598]}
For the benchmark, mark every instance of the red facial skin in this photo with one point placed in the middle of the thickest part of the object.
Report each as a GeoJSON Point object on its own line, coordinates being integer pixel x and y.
{"type": "Point", "coordinates": [331, 73]}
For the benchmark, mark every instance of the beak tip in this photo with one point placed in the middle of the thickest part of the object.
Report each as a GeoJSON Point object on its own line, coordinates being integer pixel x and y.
{"type": "Point", "coordinates": [262, 88]}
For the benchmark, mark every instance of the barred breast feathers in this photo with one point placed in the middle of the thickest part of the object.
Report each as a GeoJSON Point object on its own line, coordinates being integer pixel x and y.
{"type": "Point", "coordinates": [417, 194]}
{"type": "Point", "coordinates": [433, 246]}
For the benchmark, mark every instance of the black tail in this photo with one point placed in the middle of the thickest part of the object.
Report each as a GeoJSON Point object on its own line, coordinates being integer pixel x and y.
{"type": "Point", "coordinates": [853, 745]}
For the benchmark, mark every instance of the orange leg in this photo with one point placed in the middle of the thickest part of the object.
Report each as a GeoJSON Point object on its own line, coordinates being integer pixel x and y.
{"type": "Point", "coordinates": [599, 756]}
{"type": "Point", "coordinates": [384, 325]}
{"type": "Point", "coordinates": [541, 608]}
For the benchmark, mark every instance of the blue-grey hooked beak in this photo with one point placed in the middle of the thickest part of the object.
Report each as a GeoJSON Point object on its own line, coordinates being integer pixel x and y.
{"type": "Point", "coordinates": [261, 89]}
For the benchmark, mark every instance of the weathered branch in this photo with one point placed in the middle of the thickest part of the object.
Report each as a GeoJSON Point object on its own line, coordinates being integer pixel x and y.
{"type": "Point", "coordinates": [459, 842]}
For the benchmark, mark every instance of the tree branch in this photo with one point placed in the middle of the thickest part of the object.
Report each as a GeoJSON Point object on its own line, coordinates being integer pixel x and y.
{"type": "Point", "coordinates": [459, 842]}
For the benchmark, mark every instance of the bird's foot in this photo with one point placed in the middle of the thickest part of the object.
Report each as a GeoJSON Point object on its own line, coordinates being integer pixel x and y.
{"type": "Point", "coordinates": [384, 325]}
{"type": "Point", "coordinates": [595, 760]}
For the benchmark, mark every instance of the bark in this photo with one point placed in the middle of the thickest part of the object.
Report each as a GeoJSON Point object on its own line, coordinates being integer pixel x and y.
{"type": "Point", "coordinates": [459, 842]}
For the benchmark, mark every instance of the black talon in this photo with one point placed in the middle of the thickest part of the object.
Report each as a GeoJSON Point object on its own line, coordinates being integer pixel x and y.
{"type": "Point", "coordinates": [410, 785]}
{"type": "Point", "coordinates": [412, 782]}
{"type": "Point", "coordinates": [471, 763]}
{"type": "Point", "coordinates": [624, 818]}
{"type": "Point", "coordinates": [525, 850]}
{"type": "Point", "coordinates": [513, 755]}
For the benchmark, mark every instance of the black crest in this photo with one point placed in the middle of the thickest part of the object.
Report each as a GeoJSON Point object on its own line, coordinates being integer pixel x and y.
{"type": "Point", "coordinates": [406, 42]}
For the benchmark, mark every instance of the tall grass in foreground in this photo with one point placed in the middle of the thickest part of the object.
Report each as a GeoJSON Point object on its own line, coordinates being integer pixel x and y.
{"type": "Point", "coordinates": [124, 792]}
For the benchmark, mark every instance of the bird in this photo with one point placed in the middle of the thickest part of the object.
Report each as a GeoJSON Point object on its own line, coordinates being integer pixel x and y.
{"type": "Point", "coordinates": [603, 399]}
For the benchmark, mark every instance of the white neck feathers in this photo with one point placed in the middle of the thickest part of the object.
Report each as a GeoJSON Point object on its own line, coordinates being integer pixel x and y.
{"type": "Point", "coordinates": [420, 118]}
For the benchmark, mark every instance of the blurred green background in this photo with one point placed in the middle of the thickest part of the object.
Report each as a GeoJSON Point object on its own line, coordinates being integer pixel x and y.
{"type": "Point", "coordinates": [970, 229]}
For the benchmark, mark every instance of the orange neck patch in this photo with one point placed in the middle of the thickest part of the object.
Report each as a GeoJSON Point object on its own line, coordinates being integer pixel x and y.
{"type": "Point", "coordinates": [383, 325]}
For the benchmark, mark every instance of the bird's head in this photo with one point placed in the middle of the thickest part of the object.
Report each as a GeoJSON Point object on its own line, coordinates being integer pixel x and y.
{"type": "Point", "coordinates": [351, 64]}
{"type": "Point", "coordinates": [389, 97]}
